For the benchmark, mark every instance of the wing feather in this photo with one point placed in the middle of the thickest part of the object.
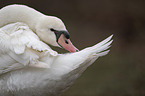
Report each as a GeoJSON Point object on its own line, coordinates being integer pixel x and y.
{"type": "Point", "coordinates": [20, 46]}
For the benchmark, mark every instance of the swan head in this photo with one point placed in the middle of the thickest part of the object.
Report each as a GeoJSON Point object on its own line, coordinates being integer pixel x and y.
{"type": "Point", "coordinates": [52, 30]}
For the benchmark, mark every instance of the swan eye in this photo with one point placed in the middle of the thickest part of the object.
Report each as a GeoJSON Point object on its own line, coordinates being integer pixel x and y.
{"type": "Point", "coordinates": [52, 29]}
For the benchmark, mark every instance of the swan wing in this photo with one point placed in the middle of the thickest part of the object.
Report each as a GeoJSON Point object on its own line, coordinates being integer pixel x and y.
{"type": "Point", "coordinates": [66, 63]}
{"type": "Point", "coordinates": [21, 47]}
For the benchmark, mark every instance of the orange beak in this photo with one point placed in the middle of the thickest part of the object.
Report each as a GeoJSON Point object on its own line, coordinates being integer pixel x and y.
{"type": "Point", "coordinates": [66, 44]}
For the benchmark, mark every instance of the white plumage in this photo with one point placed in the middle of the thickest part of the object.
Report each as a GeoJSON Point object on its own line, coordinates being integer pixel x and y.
{"type": "Point", "coordinates": [22, 47]}
{"type": "Point", "coordinates": [29, 67]}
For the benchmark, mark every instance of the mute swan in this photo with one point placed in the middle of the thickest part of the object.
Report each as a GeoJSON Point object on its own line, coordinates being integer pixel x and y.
{"type": "Point", "coordinates": [49, 29]}
{"type": "Point", "coordinates": [29, 67]}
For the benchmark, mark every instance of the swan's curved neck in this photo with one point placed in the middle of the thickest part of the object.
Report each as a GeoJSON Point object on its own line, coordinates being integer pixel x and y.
{"type": "Point", "coordinates": [19, 13]}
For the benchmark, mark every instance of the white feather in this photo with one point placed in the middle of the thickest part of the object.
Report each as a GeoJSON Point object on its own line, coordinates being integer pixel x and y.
{"type": "Point", "coordinates": [28, 66]}
{"type": "Point", "coordinates": [20, 44]}
{"type": "Point", "coordinates": [61, 71]}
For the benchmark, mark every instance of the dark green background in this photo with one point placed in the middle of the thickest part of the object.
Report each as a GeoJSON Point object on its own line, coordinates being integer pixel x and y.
{"type": "Point", "coordinates": [122, 71]}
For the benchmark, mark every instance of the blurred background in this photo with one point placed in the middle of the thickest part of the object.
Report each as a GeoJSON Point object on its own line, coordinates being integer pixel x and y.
{"type": "Point", "coordinates": [122, 71]}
